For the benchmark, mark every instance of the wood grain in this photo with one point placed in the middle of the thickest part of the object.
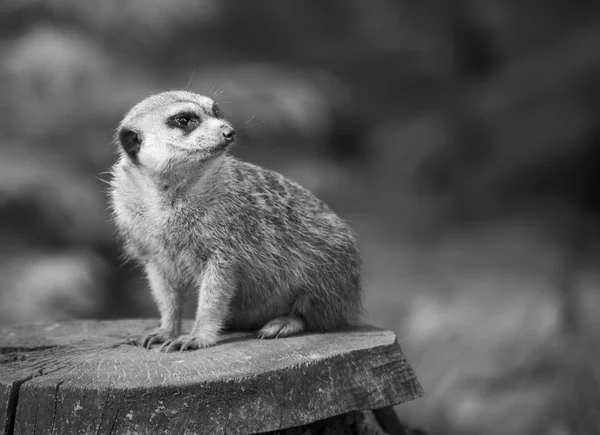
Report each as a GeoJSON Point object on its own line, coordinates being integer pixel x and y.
{"type": "Point", "coordinates": [89, 377]}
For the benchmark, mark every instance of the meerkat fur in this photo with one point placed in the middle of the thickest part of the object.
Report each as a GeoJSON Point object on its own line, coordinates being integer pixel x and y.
{"type": "Point", "coordinates": [262, 252]}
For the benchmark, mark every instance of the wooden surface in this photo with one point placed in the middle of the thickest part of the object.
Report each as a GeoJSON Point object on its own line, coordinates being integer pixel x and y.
{"type": "Point", "coordinates": [89, 377]}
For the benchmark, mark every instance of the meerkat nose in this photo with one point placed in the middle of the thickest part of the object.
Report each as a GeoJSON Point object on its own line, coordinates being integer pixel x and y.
{"type": "Point", "coordinates": [228, 133]}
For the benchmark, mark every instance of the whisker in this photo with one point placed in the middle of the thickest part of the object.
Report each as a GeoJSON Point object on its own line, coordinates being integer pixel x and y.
{"type": "Point", "coordinates": [103, 180]}
{"type": "Point", "coordinates": [255, 124]}
{"type": "Point", "coordinates": [190, 80]}
{"type": "Point", "coordinates": [219, 91]}
{"type": "Point", "coordinates": [212, 86]}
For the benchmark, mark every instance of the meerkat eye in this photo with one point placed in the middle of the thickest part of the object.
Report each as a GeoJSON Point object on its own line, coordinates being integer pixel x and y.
{"type": "Point", "coordinates": [183, 121]}
{"type": "Point", "coordinates": [216, 111]}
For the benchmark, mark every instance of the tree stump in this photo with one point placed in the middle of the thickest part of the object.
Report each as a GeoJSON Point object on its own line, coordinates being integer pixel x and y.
{"type": "Point", "coordinates": [84, 377]}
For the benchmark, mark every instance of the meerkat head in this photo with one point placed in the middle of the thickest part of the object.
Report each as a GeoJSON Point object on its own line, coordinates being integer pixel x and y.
{"type": "Point", "coordinates": [174, 130]}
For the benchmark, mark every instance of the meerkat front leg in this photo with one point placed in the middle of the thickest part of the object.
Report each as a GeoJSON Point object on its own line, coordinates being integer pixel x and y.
{"type": "Point", "coordinates": [169, 301]}
{"type": "Point", "coordinates": [216, 288]}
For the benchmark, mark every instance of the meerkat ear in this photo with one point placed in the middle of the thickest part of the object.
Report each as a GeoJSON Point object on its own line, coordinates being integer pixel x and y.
{"type": "Point", "coordinates": [131, 143]}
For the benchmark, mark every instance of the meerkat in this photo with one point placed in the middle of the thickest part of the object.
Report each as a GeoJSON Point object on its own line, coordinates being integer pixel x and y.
{"type": "Point", "coordinates": [262, 252]}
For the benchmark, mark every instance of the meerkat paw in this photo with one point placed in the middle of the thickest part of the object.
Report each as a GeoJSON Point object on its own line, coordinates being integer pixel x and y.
{"type": "Point", "coordinates": [186, 342]}
{"type": "Point", "coordinates": [156, 336]}
{"type": "Point", "coordinates": [281, 327]}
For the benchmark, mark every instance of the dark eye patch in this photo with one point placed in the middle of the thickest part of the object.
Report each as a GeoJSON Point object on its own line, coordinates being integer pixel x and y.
{"type": "Point", "coordinates": [185, 121]}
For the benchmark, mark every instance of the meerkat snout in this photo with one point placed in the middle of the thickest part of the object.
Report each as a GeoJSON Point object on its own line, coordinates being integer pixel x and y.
{"type": "Point", "coordinates": [228, 133]}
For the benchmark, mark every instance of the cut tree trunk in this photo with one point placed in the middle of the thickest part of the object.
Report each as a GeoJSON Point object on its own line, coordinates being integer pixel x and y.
{"type": "Point", "coordinates": [91, 377]}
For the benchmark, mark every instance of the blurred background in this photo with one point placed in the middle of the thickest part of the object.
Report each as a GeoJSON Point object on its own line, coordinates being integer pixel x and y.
{"type": "Point", "coordinates": [461, 138]}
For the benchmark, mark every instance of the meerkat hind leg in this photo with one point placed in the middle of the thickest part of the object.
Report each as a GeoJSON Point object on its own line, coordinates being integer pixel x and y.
{"type": "Point", "coordinates": [281, 327]}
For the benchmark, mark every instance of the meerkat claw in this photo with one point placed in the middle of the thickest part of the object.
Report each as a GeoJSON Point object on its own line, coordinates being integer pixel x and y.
{"type": "Point", "coordinates": [281, 327]}
{"type": "Point", "coordinates": [189, 345]}
{"type": "Point", "coordinates": [154, 337]}
{"type": "Point", "coordinates": [173, 346]}
{"type": "Point", "coordinates": [184, 343]}
{"type": "Point", "coordinates": [165, 344]}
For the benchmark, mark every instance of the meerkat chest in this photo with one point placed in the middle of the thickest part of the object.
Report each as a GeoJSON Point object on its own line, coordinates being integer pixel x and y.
{"type": "Point", "coordinates": [155, 230]}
